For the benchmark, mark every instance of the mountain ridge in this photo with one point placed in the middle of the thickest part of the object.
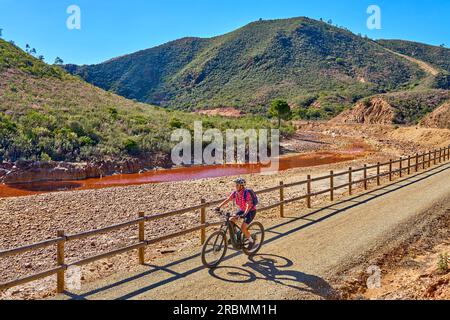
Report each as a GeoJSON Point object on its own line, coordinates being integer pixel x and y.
{"type": "Point", "coordinates": [295, 59]}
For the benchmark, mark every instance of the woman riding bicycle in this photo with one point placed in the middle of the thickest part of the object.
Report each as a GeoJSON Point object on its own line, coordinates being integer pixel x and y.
{"type": "Point", "coordinates": [247, 208]}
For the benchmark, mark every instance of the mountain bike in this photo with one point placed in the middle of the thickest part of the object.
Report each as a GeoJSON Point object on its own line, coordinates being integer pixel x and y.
{"type": "Point", "coordinates": [216, 245]}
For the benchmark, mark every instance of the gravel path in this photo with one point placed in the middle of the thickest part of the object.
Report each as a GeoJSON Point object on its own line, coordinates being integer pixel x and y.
{"type": "Point", "coordinates": [300, 253]}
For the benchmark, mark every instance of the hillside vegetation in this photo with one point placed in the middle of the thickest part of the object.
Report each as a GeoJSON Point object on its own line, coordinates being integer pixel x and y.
{"type": "Point", "coordinates": [300, 59]}
{"type": "Point", "coordinates": [47, 114]}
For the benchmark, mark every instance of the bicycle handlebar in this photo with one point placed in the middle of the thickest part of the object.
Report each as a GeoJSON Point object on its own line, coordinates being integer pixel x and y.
{"type": "Point", "coordinates": [222, 213]}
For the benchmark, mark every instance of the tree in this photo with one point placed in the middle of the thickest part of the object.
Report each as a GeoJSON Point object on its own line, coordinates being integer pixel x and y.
{"type": "Point", "coordinates": [58, 61]}
{"type": "Point", "coordinates": [281, 110]}
{"type": "Point", "coordinates": [27, 48]}
{"type": "Point", "coordinates": [41, 57]}
{"type": "Point", "coordinates": [1, 33]}
{"type": "Point", "coordinates": [33, 51]}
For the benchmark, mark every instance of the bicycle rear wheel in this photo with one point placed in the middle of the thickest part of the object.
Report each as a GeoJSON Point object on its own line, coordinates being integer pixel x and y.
{"type": "Point", "coordinates": [256, 230]}
{"type": "Point", "coordinates": [214, 249]}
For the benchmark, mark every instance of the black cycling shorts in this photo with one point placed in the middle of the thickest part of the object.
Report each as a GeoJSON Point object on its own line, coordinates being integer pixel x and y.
{"type": "Point", "coordinates": [249, 217]}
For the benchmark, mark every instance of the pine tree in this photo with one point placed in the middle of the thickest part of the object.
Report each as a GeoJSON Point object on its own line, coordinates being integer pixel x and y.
{"type": "Point", "coordinates": [280, 109]}
{"type": "Point", "coordinates": [59, 61]}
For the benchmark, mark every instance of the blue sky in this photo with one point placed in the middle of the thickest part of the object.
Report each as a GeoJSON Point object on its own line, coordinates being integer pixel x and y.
{"type": "Point", "coordinates": [115, 27]}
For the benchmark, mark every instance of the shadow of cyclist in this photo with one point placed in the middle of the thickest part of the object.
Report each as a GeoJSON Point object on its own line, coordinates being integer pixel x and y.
{"type": "Point", "coordinates": [273, 268]}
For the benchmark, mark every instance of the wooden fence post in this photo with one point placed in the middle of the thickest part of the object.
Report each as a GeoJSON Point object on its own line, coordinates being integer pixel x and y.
{"type": "Point", "coordinates": [60, 283]}
{"type": "Point", "coordinates": [409, 165]}
{"type": "Point", "coordinates": [141, 251]}
{"type": "Point", "coordinates": [350, 181]}
{"type": "Point", "coordinates": [390, 169]}
{"type": "Point", "coordinates": [429, 159]}
{"type": "Point", "coordinates": [378, 174]}
{"type": "Point", "coordinates": [417, 162]}
{"type": "Point", "coordinates": [308, 190]}
{"type": "Point", "coordinates": [440, 155]}
{"type": "Point", "coordinates": [331, 185]}
{"type": "Point", "coordinates": [423, 161]}
{"type": "Point", "coordinates": [435, 157]}
{"type": "Point", "coordinates": [365, 177]}
{"type": "Point", "coordinates": [281, 199]}
{"type": "Point", "coordinates": [202, 222]}
{"type": "Point", "coordinates": [400, 166]}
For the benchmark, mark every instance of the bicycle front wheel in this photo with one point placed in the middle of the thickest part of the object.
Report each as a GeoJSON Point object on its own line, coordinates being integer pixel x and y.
{"type": "Point", "coordinates": [214, 249]}
{"type": "Point", "coordinates": [256, 231]}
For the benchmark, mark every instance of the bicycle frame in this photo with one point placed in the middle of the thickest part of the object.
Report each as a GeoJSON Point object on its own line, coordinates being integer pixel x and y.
{"type": "Point", "coordinates": [230, 228]}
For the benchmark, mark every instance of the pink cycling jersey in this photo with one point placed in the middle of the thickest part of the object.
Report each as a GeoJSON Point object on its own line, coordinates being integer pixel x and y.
{"type": "Point", "coordinates": [238, 197]}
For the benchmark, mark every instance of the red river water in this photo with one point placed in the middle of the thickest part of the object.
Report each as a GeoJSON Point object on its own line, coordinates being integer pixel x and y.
{"type": "Point", "coordinates": [180, 174]}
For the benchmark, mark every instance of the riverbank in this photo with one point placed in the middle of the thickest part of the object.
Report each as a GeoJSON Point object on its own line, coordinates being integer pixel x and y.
{"type": "Point", "coordinates": [314, 143]}
{"type": "Point", "coordinates": [37, 171]}
{"type": "Point", "coordinates": [301, 150]}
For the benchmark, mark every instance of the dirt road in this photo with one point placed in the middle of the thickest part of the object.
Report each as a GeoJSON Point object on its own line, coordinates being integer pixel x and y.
{"type": "Point", "coordinates": [301, 253]}
{"type": "Point", "coordinates": [422, 64]}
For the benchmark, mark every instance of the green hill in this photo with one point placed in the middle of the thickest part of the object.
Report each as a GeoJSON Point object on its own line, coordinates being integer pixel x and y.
{"type": "Point", "coordinates": [299, 59]}
{"type": "Point", "coordinates": [48, 114]}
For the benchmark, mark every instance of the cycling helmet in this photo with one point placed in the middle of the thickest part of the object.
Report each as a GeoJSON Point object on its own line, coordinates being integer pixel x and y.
{"type": "Point", "coordinates": [240, 181]}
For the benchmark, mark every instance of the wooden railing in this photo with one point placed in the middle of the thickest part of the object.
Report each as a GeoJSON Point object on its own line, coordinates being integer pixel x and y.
{"type": "Point", "coordinates": [413, 164]}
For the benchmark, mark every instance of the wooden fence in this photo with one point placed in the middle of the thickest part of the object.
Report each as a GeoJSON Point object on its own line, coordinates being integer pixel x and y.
{"type": "Point", "coordinates": [398, 167]}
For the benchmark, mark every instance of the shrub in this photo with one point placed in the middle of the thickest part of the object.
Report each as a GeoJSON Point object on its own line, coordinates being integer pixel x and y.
{"type": "Point", "coordinates": [443, 263]}
{"type": "Point", "coordinates": [340, 61]}
{"type": "Point", "coordinates": [175, 123]}
{"type": "Point", "coordinates": [131, 146]}
{"type": "Point", "coordinates": [45, 157]}
{"type": "Point", "coordinates": [113, 112]}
